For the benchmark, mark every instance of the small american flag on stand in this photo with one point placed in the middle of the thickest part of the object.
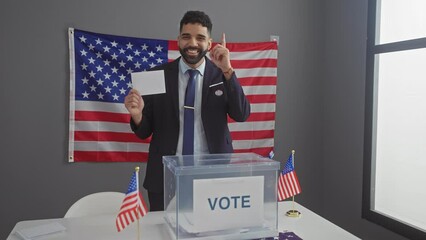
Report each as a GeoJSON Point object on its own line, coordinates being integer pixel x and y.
{"type": "Point", "coordinates": [288, 184]}
{"type": "Point", "coordinates": [133, 206]}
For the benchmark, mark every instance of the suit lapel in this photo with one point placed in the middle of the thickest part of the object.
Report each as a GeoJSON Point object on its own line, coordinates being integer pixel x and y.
{"type": "Point", "coordinates": [207, 80]}
{"type": "Point", "coordinates": [172, 77]}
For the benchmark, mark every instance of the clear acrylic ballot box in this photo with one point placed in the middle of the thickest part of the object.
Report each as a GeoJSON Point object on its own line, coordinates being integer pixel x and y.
{"type": "Point", "coordinates": [220, 196]}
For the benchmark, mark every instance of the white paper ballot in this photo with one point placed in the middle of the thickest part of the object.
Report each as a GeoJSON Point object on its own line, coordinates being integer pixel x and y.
{"type": "Point", "coordinates": [150, 82]}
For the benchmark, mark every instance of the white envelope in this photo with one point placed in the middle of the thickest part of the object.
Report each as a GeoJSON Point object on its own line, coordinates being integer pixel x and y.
{"type": "Point", "coordinates": [150, 82]}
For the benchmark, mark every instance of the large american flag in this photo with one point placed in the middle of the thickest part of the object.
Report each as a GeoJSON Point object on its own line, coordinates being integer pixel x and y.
{"type": "Point", "coordinates": [100, 68]}
{"type": "Point", "coordinates": [288, 184]}
{"type": "Point", "coordinates": [133, 206]}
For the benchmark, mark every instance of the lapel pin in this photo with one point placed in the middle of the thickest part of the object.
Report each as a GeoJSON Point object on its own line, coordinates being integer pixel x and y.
{"type": "Point", "coordinates": [218, 92]}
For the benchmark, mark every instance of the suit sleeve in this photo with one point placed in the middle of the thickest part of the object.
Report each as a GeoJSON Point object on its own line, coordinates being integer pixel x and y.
{"type": "Point", "coordinates": [238, 105]}
{"type": "Point", "coordinates": [144, 130]}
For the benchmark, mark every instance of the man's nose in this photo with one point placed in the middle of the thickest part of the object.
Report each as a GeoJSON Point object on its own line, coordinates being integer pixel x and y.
{"type": "Point", "coordinates": [193, 42]}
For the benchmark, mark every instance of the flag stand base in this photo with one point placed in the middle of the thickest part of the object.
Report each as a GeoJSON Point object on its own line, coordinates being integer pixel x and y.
{"type": "Point", "coordinates": [293, 213]}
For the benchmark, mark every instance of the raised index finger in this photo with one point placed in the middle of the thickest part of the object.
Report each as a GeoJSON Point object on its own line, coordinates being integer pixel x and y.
{"type": "Point", "coordinates": [223, 40]}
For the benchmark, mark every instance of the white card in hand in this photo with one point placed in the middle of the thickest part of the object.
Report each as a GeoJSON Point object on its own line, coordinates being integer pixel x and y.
{"type": "Point", "coordinates": [150, 82]}
{"type": "Point", "coordinates": [41, 230]}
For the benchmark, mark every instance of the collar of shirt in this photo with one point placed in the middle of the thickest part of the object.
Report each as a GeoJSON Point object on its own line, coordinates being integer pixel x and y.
{"type": "Point", "coordinates": [184, 67]}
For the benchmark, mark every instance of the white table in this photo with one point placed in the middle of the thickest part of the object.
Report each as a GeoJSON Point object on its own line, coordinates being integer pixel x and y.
{"type": "Point", "coordinates": [152, 226]}
{"type": "Point", "coordinates": [309, 225]}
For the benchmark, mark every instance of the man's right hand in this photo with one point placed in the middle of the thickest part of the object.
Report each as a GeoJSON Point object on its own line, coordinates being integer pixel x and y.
{"type": "Point", "coordinates": [134, 104]}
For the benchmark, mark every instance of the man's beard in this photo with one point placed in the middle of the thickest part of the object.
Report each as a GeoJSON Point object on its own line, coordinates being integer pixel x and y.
{"type": "Point", "coordinates": [192, 59]}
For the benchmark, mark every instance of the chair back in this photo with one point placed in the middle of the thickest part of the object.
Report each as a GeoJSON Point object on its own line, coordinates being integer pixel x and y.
{"type": "Point", "coordinates": [96, 204]}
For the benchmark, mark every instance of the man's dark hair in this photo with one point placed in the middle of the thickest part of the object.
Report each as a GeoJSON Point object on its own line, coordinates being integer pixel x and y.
{"type": "Point", "coordinates": [196, 17]}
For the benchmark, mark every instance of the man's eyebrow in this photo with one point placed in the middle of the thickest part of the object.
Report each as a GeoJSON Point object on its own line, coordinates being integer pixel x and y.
{"type": "Point", "coordinates": [188, 34]}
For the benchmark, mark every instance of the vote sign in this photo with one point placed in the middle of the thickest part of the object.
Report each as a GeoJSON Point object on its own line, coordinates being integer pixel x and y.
{"type": "Point", "coordinates": [227, 203]}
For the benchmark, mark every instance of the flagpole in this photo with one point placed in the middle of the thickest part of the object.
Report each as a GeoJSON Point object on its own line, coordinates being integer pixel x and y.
{"type": "Point", "coordinates": [292, 159]}
{"type": "Point", "coordinates": [293, 212]}
{"type": "Point", "coordinates": [137, 212]}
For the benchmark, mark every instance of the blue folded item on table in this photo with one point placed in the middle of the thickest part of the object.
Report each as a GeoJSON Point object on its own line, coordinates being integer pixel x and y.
{"type": "Point", "coordinates": [288, 236]}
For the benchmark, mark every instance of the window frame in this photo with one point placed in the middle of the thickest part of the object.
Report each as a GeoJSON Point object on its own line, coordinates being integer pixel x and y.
{"type": "Point", "coordinates": [373, 50]}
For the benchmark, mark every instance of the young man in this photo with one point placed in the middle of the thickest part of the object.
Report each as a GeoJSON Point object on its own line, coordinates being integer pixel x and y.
{"type": "Point", "coordinates": [218, 95]}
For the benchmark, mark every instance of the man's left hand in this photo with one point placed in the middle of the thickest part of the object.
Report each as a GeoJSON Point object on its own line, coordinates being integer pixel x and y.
{"type": "Point", "coordinates": [220, 56]}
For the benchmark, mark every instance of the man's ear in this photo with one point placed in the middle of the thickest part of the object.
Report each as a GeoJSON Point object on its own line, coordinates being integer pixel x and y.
{"type": "Point", "coordinates": [210, 44]}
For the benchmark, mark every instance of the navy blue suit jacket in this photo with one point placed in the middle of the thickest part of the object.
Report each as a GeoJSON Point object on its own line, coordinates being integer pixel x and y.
{"type": "Point", "coordinates": [161, 117]}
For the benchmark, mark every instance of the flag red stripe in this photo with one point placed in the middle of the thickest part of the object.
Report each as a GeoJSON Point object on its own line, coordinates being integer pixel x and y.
{"type": "Point", "coordinates": [108, 137]}
{"type": "Point", "coordinates": [130, 200]}
{"type": "Point", "coordinates": [124, 118]}
{"type": "Point", "coordinates": [131, 215]}
{"type": "Point", "coordinates": [255, 63]}
{"type": "Point", "coordinates": [296, 182]}
{"type": "Point", "coordinates": [173, 46]}
{"type": "Point", "coordinates": [258, 116]}
{"type": "Point", "coordinates": [261, 151]}
{"type": "Point", "coordinates": [98, 156]}
{"type": "Point", "coordinates": [258, 81]}
{"type": "Point", "coordinates": [126, 217]}
{"type": "Point", "coordinates": [120, 218]}
{"type": "Point", "coordinates": [281, 191]}
{"type": "Point", "coordinates": [102, 116]}
{"type": "Point", "coordinates": [292, 185]}
{"type": "Point", "coordinates": [144, 208]}
{"type": "Point", "coordinates": [128, 203]}
{"type": "Point", "coordinates": [252, 135]}
{"type": "Point", "coordinates": [288, 184]}
{"type": "Point", "coordinates": [246, 47]}
{"type": "Point", "coordinates": [284, 190]}
{"type": "Point", "coordinates": [237, 47]}
{"type": "Point", "coordinates": [118, 224]}
{"type": "Point", "coordinates": [132, 138]}
{"type": "Point", "coordinates": [262, 98]}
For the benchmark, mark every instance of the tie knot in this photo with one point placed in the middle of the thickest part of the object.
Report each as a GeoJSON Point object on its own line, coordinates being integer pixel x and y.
{"type": "Point", "coordinates": [192, 72]}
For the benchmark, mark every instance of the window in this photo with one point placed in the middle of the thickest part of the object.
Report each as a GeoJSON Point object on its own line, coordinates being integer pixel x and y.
{"type": "Point", "coordinates": [394, 191]}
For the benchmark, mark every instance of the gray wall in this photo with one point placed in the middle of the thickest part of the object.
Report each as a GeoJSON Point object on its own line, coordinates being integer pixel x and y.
{"type": "Point", "coordinates": [320, 97]}
{"type": "Point", "coordinates": [343, 92]}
